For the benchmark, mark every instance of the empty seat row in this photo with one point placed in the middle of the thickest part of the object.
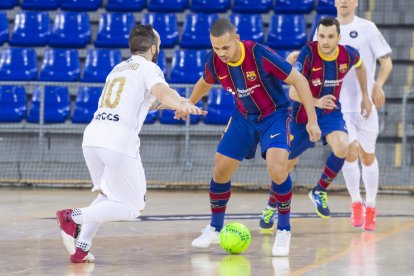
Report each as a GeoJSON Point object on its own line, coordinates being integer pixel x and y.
{"type": "Point", "coordinates": [72, 29]}
{"type": "Point", "coordinates": [57, 109]}
{"type": "Point", "coordinates": [239, 6]}
{"type": "Point", "coordinates": [20, 64]}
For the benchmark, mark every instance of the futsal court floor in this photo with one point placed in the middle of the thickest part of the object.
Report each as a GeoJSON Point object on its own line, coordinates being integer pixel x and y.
{"type": "Point", "coordinates": [159, 242]}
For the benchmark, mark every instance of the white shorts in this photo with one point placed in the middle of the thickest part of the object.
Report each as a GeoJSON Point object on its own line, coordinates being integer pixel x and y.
{"type": "Point", "coordinates": [364, 131]}
{"type": "Point", "coordinates": [120, 177]}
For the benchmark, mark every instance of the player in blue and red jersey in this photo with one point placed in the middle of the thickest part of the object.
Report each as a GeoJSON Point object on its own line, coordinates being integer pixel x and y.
{"type": "Point", "coordinates": [253, 74]}
{"type": "Point", "coordinates": [325, 63]}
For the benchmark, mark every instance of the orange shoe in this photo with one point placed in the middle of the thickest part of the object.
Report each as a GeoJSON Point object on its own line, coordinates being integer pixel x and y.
{"type": "Point", "coordinates": [357, 217]}
{"type": "Point", "coordinates": [370, 214]}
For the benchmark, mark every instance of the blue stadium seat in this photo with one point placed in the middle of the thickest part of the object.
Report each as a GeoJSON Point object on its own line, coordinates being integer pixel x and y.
{"type": "Point", "coordinates": [167, 5]}
{"type": "Point", "coordinates": [40, 5]}
{"type": "Point", "coordinates": [162, 62]}
{"type": "Point", "coordinates": [220, 107]}
{"type": "Point", "coordinates": [70, 29]}
{"type": "Point", "coordinates": [8, 4]}
{"type": "Point", "coordinates": [98, 64]}
{"type": "Point", "coordinates": [60, 65]}
{"type": "Point", "coordinates": [12, 103]}
{"type": "Point", "coordinates": [126, 5]}
{"type": "Point", "coordinates": [31, 28]}
{"type": "Point", "coordinates": [152, 116]}
{"type": "Point", "coordinates": [18, 64]}
{"type": "Point", "coordinates": [187, 66]}
{"type": "Point", "coordinates": [315, 22]}
{"type": "Point", "coordinates": [249, 26]}
{"type": "Point", "coordinates": [4, 28]}
{"type": "Point", "coordinates": [57, 105]}
{"type": "Point", "coordinates": [114, 30]}
{"type": "Point", "coordinates": [293, 6]}
{"type": "Point", "coordinates": [80, 5]}
{"type": "Point", "coordinates": [86, 104]}
{"type": "Point", "coordinates": [252, 6]}
{"type": "Point", "coordinates": [326, 7]}
{"type": "Point", "coordinates": [166, 25]}
{"type": "Point", "coordinates": [287, 31]}
{"type": "Point", "coordinates": [167, 116]}
{"type": "Point", "coordinates": [196, 30]}
{"type": "Point", "coordinates": [210, 5]}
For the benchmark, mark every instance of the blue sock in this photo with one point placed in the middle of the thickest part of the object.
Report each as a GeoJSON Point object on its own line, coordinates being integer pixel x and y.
{"type": "Point", "coordinates": [332, 167]}
{"type": "Point", "coordinates": [283, 195]}
{"type": "Point", "coordinates": [219, 196]}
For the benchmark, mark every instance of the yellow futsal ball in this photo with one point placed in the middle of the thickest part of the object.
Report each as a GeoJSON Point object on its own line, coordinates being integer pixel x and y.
{"type": "Point", "coordinates": [235, 238]}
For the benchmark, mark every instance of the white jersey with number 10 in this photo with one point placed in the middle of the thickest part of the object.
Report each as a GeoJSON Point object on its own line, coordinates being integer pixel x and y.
{"type": "Point", "coordinates": [123, 106]}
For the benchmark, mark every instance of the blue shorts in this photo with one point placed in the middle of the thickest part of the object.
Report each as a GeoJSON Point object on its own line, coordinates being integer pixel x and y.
{"type": "Point", "coordinates": [242, 134]}
{"type": "Point", "coordinates": [300, 138]}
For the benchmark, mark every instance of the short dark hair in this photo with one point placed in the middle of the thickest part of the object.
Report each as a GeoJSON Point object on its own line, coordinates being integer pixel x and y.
{"type": "Point", "coordinates": [221, 27]}
{"type": "Point", "coordinates": [141, 38]}
{"type": "Point", "coordinates": [329, 21]}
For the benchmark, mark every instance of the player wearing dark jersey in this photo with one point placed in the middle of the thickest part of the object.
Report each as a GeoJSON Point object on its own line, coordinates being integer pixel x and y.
{"type": "Point", "coordinates": [325, 63]}
{"type": "Point", "coordinates": [253, 74]}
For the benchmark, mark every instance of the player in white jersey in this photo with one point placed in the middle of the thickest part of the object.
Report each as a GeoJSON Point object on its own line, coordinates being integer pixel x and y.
{"type": "Point", "coordinates": [364, 36]}
{"type": "Point", "coordinates": [111, 143]}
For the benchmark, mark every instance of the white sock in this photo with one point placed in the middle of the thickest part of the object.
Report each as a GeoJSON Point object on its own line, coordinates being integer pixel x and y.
{"type": "Point", "coordinates": [370, 176]}
{"type": "Point", "coordinates": [84, 246]}
{"type": "Point", "coordinates": [352, 176]}
{"type": "Point", "coordinates": [77, 216]}
{"type": "Point", "coordinates": [89, 230]}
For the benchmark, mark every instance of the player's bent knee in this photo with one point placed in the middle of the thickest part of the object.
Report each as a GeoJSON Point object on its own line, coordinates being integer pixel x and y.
{"type": "Point", "coordinates": [341, 150]}
{"type": "Point", "coordinates": [367, 158]}
{"type": "Point", "coordinates": [221, 175]}
{"type": "Point", "coordinates": [278, 173]}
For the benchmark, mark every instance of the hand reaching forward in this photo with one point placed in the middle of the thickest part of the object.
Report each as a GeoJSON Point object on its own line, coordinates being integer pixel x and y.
{"type": "Point", "coordinates": [188, 108]}
{"type": "Point", "coordinates": [326, 102]}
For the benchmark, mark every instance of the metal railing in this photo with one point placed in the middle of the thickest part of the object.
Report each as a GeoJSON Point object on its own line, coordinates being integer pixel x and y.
{"type": "Point", "coordinates": [406, 160]}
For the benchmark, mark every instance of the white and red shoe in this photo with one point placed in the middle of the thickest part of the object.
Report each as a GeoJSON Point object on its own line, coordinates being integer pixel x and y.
{"type": "Point", "coordinates": [68, 229]}
{"type": "Point", "coordinates": [81, 256]}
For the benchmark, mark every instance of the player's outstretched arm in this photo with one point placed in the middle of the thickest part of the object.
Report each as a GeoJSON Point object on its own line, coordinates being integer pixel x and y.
{"type": "Point", "coordinates": [157, 105]}
{"type": "Point", "coordinates": [366, 105]}
{"type": "Point", "coordinates": [302, 88]}
{"type": "Point", "coordinates": [200, 89]}
{"type": "Point", "coordinates": [378, 96]}
{"type": "Point", "coordinates": [170, 98]}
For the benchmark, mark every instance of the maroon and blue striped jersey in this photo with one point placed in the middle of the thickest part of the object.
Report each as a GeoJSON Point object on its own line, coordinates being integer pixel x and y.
{"type": "Point", "coordinates": [255, 80]}
{"type": "Point", "coordinates": [325, 75]}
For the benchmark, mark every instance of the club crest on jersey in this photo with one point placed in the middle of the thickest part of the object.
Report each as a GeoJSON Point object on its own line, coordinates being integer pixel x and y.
{"type": "Point", "coordinates": [251, 75]}
{"type": "Point", "coordinates": [343, 68]}
{"type": "Point", "coordinates": [316, 82]}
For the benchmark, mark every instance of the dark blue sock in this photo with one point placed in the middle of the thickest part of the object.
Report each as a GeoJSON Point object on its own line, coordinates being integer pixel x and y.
{"type": "Point", "coordinates": [283, 195]}
{"type": "Point", "coordinates": [332, 167]}
{"type": "Point", "coordinates": [219, 196]}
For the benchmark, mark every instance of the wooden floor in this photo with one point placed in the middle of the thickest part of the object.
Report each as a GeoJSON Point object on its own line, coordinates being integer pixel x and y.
{"type": "Point", "coordinates": [159, 243]}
